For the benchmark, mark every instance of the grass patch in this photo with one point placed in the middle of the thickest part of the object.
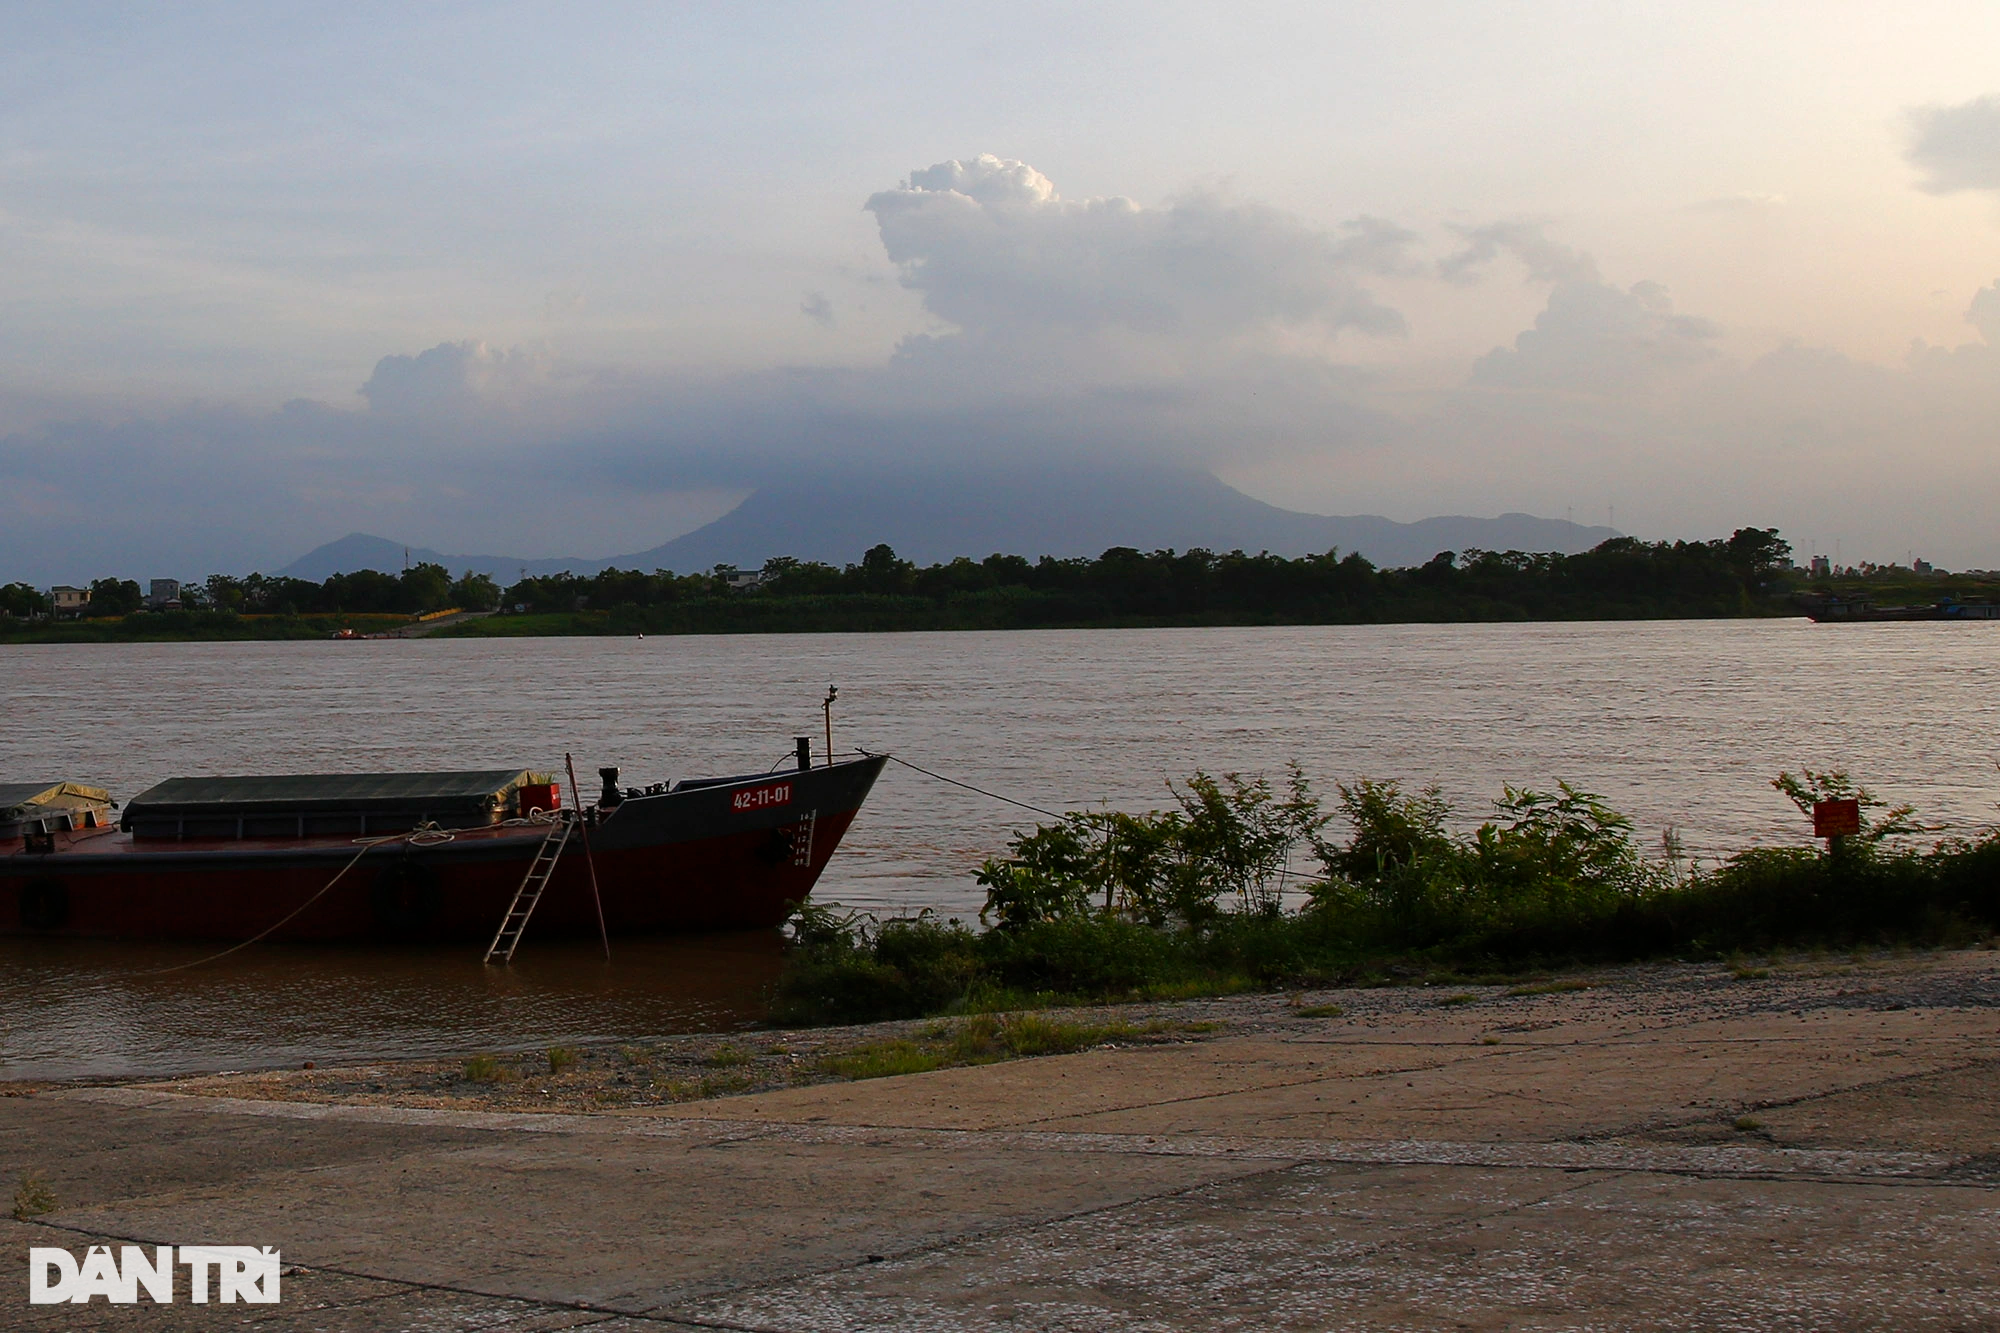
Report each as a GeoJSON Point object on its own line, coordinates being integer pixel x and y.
{"type": "Point", "coordinates": [708, 1085]}
{"type": "Point", "coordinates": [727, 1057]}
{"type": "Point", "coordinates": [489, 1069]}
{"type": "Point", "coordinates": [883, 1059]}
{"type": "Point", "coordinates": [1746, 1124]}
{"type": "Point", "coordinates": [1549, 988]}
{"type": "Point", "coordinates": [562, 1058]}
{"type": "Point", "coordinates": [1461, 998]}
{"type": "Point", "coordinates": [989, 1038]}
{"type": "Point", "coordinates": [1749, 973]}
{"type": "Point", "coordinates": [1319, 1011]}
{"type": "Point", "coordinates": [33, 1197]}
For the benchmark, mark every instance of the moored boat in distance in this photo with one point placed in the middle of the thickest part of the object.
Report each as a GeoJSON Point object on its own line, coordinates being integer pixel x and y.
{"type": "Point", "coordinates": [1834, 609]}
{"type": "Point", "coordinates": [434, 855]}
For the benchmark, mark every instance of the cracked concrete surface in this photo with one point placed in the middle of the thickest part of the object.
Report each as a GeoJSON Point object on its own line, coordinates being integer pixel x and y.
{"type": "Point", "coordinates": [1669, 1149]}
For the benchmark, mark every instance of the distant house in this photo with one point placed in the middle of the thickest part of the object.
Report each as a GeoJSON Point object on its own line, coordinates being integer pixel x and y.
{"type": "Point", "coordinates": [165, 595]}
{"type": "Point", "coordinates": [742, 580]}
{"type": "Point", "coordinates": [68, 601]}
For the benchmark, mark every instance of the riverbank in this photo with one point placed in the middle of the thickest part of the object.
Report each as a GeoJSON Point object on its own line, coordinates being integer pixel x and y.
{"type": "Point", "coordinates": [1630, 1148]}
{"type": "Point", "coordinates": [209, 627]}
{"type": "Point", "coordinates": [810, 615]}
{"type": "Point", "coordinates": [639, 1072]}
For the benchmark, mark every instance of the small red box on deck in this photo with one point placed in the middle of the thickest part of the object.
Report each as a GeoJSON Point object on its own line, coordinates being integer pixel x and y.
{"type": "Point", "coordinates": [540, 796]}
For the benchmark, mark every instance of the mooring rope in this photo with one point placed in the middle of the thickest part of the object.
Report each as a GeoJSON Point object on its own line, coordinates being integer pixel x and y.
{"type": "Point", "coordinates": [1052, 814]}
{"type": "Point", "coordinates": [423, 835]}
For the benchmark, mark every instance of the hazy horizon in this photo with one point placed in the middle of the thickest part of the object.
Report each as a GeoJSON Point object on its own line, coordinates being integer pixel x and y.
{"type": "Point", "coordinates": [500, 279]}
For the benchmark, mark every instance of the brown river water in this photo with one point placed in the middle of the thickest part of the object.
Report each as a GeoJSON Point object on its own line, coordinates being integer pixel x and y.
{"type": "Point", "coordinates": [1678, 723]}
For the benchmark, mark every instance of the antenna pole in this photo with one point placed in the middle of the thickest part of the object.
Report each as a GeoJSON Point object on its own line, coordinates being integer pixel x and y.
{"type": "Point", "coordinates": [826, 706]}
{"type": "Point", "coordinates": [583, 827]}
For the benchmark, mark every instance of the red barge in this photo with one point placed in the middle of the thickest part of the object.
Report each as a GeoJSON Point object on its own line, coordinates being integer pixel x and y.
{"type": "Point", "coordinates": [419, 856]}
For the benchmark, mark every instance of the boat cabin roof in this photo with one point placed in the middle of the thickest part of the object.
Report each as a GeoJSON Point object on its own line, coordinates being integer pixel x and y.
{"type": "Point", "coordinates": [467, 790]}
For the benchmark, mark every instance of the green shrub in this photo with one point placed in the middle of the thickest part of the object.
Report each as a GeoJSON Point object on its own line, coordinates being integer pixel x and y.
{"type": "Point", "coordinates": [1231, 838]}
{"type": "Point", "coordinates": [854, 969]}
{"type": "Point", "coordinates": [1185, 902]}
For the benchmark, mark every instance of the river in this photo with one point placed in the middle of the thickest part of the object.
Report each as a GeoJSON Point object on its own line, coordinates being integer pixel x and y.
{"type": "Point", "coordinates": [1678, 723]}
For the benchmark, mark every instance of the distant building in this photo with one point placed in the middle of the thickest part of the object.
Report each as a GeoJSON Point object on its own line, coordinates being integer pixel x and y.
{"type": "Point", "coordinates": [741, 580]}
{"type": "Point", "coordinates": [165, 595]}
{"type": "Point", "coordinates": [1822, 568]}
{"type": "Point", "coordinates": [67, 601]}
{"type": "Point", "coordinates": [1923, 567]}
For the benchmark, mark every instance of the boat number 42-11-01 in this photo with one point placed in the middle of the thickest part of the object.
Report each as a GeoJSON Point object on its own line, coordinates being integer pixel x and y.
{"type": "Point", "coordinates": [762, 798]}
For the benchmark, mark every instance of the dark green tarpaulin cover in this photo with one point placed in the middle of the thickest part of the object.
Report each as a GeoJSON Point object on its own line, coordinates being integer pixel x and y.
{"type": "Point", "coordinates": [477, 791]}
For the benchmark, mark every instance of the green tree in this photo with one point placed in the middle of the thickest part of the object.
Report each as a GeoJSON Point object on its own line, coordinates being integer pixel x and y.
{"type": "Point", "coordinates": [788, 576]}
{"type": "Point", "coordinates": [224, 593]}
{"type": "Point", "coordinates": [114, 597]}
{"type": "Point", "coordinates": [883, 571]}
{"type": "Point", "coordinates": [426, 587]}
{"type": "Point", "coordinates": [1758, 552]}
{"type": "Point", "coordinates": [475, 592]}
{"type": "Point", "coordinates": [23, 600]}
{"type": "Point", "coordinates": [365, 591]}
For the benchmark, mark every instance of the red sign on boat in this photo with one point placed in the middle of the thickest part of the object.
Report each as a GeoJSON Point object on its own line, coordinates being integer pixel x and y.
{"type": "Point", "coordinates": [762, 798]}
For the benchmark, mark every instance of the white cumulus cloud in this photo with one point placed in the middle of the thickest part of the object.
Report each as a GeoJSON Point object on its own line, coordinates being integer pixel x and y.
{"type": "Point", "coordinates": [995, 250]}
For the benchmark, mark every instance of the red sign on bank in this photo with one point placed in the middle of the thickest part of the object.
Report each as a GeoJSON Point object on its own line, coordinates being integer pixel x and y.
{"type": "Point", "coordinates": [762, 798]}
{"type": "Point", "coordinates": [1836, 819]}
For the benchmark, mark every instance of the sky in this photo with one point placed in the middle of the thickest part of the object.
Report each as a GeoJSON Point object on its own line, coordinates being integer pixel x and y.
{"type": "Point", "coordinates": [570, 280]}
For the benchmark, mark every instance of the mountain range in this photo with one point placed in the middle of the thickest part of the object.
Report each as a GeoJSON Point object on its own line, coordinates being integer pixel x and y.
{"type": "Point", "coordinates": [934, 516]}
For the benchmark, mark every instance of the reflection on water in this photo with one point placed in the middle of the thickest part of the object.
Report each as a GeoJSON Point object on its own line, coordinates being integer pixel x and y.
{"type": "Point", "coordinates": [81, 1008]}
{"type": "Point", "coordinates": [1677, 723]}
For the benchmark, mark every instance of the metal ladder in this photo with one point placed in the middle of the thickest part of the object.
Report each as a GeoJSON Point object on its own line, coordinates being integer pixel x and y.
{"type": "Point", "coordinates": [508, 937]}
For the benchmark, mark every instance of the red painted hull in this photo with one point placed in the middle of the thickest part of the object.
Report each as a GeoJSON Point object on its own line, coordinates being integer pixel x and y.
{"type": "Point", "coordinates": [686, 860]}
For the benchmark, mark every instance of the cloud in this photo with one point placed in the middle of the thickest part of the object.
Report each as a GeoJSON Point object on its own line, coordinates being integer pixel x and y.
{"type": "Point", "coordinates": [1598, 339]}
{"type": "Point", "coordinates": [1591, 337]}
{"type": "Point", "coordinates": [1545, 260]}
{"type": "Point", "coordinates": [996, 252]}
{"type": "Point", "coordinates": [1956, 147]}
{"type": "Point", "coordinates": [818, 309]}
{"type": "Point", "coordinates": [1966, 367]}
{"type": "Point", "coordinates": [453, 377]}
{"type": "Point", "coordinates": [1984, 313]}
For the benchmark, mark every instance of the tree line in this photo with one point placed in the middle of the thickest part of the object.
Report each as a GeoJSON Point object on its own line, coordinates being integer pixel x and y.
{"type": "Point", "coordinates": [423, 587]}
{"type": "Point", "coordinates": [1744, 574]}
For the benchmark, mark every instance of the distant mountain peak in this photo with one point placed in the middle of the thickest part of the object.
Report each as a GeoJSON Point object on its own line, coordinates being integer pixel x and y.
{"type": "Point", "coordinates": [938, 514]}
{"type": "Point", "coordinates": [362, 550]}
{"type": "Point", "coordinates": [1077, 511]}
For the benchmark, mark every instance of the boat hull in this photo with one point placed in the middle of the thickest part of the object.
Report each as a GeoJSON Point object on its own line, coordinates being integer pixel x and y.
{"type": "Point", "coordinates": [731, 855]}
